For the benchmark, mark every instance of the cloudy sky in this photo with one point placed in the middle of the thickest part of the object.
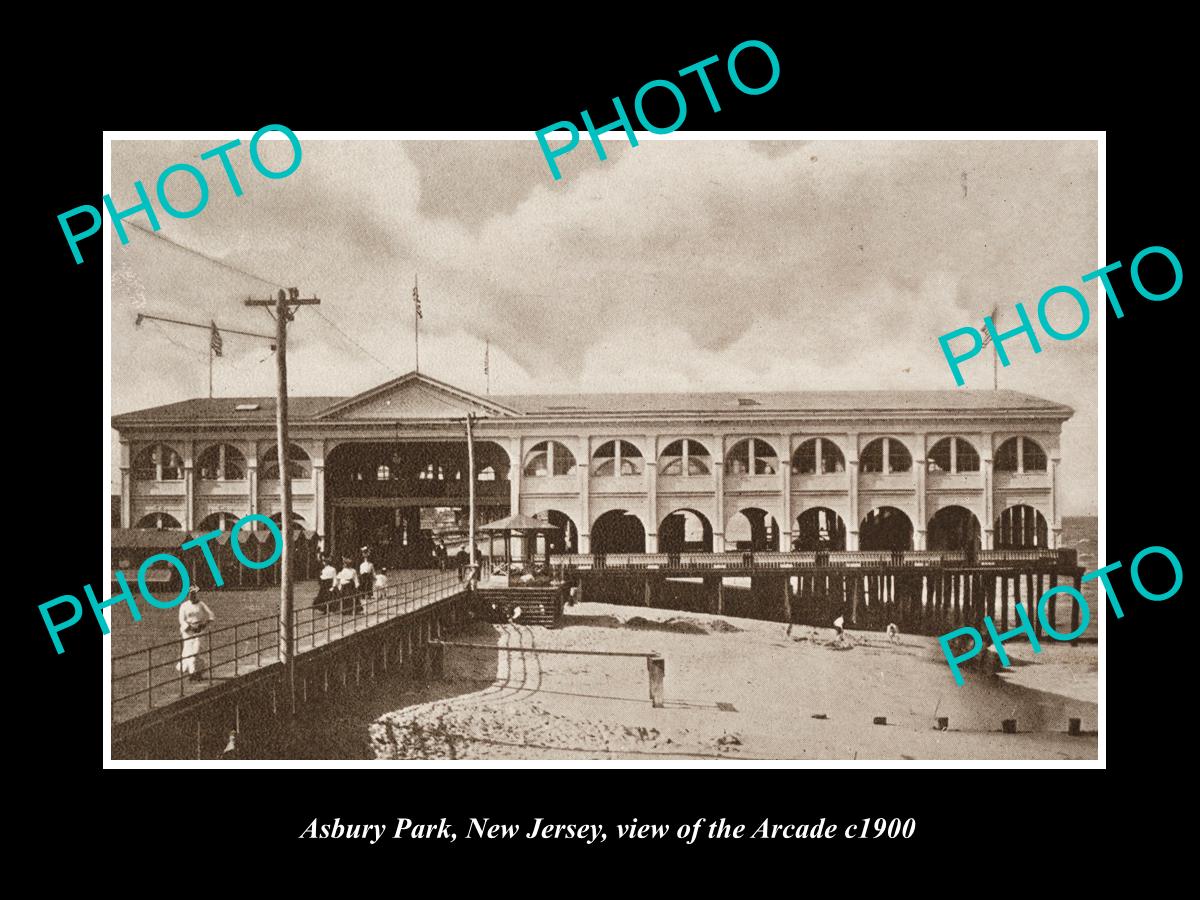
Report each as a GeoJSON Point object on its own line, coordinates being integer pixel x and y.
{"type": "Point", "coordinates": [676, 265]}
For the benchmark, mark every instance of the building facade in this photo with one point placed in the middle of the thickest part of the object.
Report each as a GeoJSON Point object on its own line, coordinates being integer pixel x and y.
{"type": "Point", "coordinates": [616, 472]}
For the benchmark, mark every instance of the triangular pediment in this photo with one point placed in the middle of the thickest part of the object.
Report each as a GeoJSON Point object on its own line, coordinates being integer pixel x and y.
{"type": "Point", "coordinates": [414, 396]}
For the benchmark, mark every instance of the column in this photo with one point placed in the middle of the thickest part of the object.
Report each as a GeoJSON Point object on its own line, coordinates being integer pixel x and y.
{"type": "Point", "coordinates": [189, 485]}
{"type": "Point", "coordinates": [584, 470]}
{"type": "Point", "coordinates": [785, 466]}
{"type": "Point", "coordinates": [318, 481]}
{"type": "Point", "coordinates": [252, 476]}
{"type": "Point", "coordinates": [515, 471]}
{"type": "Point", "coordinates": [989, 517]}
{"type": "Point", "coordinates": [852, 468]}
{"type": "Point", "coordinates": [1055, 519]}
{"type": "Point", "coordinates": [189, 492]}
{"type": "Point", "coordinates": [652, 493]}
{"type": "Point", "coordinates": [922, 465]}
{"type": "Point", "coordinates": [126, 487]}
{"type": "Point", "coordinates": [718, 445]}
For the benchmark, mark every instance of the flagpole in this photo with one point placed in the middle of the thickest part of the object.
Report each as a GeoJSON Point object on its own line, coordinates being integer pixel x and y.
{"type": "Point", "coordinates": [416, 326]}
{"type": "Point", "coordinates": [487, 365]}
{"type": "Point", "coordinates": [210, 359]}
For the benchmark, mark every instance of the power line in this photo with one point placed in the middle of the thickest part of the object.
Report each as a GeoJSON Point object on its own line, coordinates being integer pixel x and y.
{"type": "Point", "coordinates": [211, 259]}
{"type": "Point", "coordinates": [355, 343]}
{"type": "Point", "coordinates": [267, 281]}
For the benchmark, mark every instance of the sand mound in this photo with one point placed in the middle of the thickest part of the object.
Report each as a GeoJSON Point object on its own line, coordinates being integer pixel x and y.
{"type": "Point", "coordinates": [681, 625]}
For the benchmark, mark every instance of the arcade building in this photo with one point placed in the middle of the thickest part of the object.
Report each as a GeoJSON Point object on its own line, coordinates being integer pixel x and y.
{"type": "Point", "coordinates": [617, 473]}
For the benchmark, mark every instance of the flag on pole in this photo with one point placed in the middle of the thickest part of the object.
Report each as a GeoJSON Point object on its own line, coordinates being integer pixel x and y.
{"type": "Point", "coordinates": [417, 301]}
{"type": "Point", "coordinates": [487, 350]}
{"type": "Point", "coordinates": [215, 342]}
{"type": "Point", "coordinates": [987, 335]}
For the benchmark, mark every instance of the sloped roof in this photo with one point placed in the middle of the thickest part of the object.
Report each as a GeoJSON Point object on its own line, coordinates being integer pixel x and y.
{"type": "Point", "coordinates": [311, 409]}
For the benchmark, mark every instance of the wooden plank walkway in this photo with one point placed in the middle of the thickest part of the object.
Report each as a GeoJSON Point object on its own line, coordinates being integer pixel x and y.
{"type": "Point", "coordinates": [150, 679]}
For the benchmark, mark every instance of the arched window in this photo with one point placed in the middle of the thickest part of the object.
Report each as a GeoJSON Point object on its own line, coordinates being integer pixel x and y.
{"type": "Point", "coordinates": [158, 462]}
{"type": "Point", "coordinates": [753, 456]}
{"type": "Point", "coordinates": [617, 458]}
{"type": "Point", "coordinates": [297, 465]}
{"type": "Point", "coordinates": [685, 458]}
{"type": "Point", "coordinates": [158, 520]}
{"type": "Point", "coordinates": [218, 521]}
{"type": "Point", "coordinates": [432, 472]}
{"type": "Point", "coordinates": [383, 473]}
{"type": "Point", "coordinates": [885, 456]}
{"type": "Point", "coordinates": [953, 455]}
{"type": "Point", "coordinates": [818, 456]}
{"type": "Point", "coordinates": [1020, 455]}
{"type": "Point", "coordinates": [549, 458]}
{"type": "Point", "coordinates": [222, 462]}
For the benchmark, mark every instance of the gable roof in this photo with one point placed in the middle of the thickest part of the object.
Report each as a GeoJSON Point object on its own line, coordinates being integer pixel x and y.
{"type": "Point", "coordinates": [223, 410]}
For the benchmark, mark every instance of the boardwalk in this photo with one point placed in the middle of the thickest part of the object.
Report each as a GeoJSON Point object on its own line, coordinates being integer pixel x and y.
{"type": "Point", "coordinates": [149, 678]}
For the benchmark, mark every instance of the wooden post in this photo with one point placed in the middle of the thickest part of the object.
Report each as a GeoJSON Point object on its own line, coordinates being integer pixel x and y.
{"type": "Point", "coordinates": [787, 601]}
{"type": "Point", "coordinates": [720, 596]}
{"type": "Point", "coordinates": [1075, 606]}
{"type": "Point", "coordinates": [657, 667]}
{"type": "Point", "coordinates": [437, 659]}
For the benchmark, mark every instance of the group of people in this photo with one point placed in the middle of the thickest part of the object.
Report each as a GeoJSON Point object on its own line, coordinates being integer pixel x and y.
{"type": "Point", "coordinates": [343, 589]}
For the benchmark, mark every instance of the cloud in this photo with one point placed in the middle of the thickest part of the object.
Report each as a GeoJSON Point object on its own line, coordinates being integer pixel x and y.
{"type": "Point", "coordinates": [675, 265]}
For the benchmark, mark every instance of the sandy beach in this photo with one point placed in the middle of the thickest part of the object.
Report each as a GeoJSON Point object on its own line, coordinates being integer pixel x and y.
{"type": "Point", "coordinates": [734, 689]}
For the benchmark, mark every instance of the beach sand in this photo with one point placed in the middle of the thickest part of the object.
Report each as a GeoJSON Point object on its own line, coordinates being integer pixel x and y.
{"type": "Point", "coordinates": [734, 689]}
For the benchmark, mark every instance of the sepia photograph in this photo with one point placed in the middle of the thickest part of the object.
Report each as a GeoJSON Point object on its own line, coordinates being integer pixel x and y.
{"type": "Point", "coordinates": [426, 455]}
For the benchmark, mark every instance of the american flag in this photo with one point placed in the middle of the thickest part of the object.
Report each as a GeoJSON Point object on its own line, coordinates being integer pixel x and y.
{"type": "Point", "coordinates": [987, 335]}
{"type": "Point", "coordinates": [417, 301]}
{"type": "Point", "coordinates": [215, 341]}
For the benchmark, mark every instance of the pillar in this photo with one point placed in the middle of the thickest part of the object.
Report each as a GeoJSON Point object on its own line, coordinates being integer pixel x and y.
{"type": "Point", "coordinates": [126, 487]}
{"type": "Point", "coordinates": [989, 515]}
{"type": "Point", "coordinates": [652, 493]}
{"type": "Point", "coordinates": [922, 466]}
{"type": "Point", "coordinates": [318, 481]}
{"type": "Point", "coordinates": [515, 471]}
{"type": "Point", "coordinates": [189, 495]}
{"type": "Point", "coordinates": [718, 444]}
{"type": "Point", "coordinates": [584, 470]}
{"type": "Point", "coordinates": [785, 467]}
{"type": "Point", "coordinates": [252, 478]}
{"type": "Point", "coordinates": [852, 468]}
{"type": "Point", "coordinates": [1055, 522]}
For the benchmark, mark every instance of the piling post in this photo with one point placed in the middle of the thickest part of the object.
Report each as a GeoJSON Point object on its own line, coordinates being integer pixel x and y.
{"type": "Point", "coordinates": [657, 667]}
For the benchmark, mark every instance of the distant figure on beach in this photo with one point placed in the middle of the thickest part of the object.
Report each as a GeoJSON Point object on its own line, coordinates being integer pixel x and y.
{"type": "Point", "coordinates": [366, 571]}
{"type": "Point", "coordinates": [839, 626]}
{"type": "Point", "coordinates": [194, 619]}
{"type": "Point", "coordinates": [325, 590]}
{"type": "Point", "coordinates": [893, 633]}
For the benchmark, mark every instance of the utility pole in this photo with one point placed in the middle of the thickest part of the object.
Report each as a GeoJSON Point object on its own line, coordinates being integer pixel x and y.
{"type": "Point", "coordinates": [471, 490]}
{"type": "Point", "coordinates": [284, 313]}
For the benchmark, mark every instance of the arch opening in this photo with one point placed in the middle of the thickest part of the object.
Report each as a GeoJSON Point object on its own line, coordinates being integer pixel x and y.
{"type": "Point", "coordinates": [885, 528]}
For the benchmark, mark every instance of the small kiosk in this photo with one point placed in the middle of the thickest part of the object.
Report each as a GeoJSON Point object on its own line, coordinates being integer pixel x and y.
{"type": "Point", "coordinates": [523, 591]}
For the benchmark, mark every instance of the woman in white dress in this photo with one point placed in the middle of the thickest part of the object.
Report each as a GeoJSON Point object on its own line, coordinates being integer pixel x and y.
{"type": "Point", "coordinates": [194, 620]}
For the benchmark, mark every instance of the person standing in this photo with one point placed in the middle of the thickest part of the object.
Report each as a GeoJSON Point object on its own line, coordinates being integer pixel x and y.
{"type": "Point", "coordinates": [345, 584]}
{"type": "Point", "coordinates": [194, 620]}
{"type": "Point", "coordinates": [325, 592]}
{"type": "Point", "coordinates": [366, 572]}
{"type": "Point", "coordinates": [381, 582]}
